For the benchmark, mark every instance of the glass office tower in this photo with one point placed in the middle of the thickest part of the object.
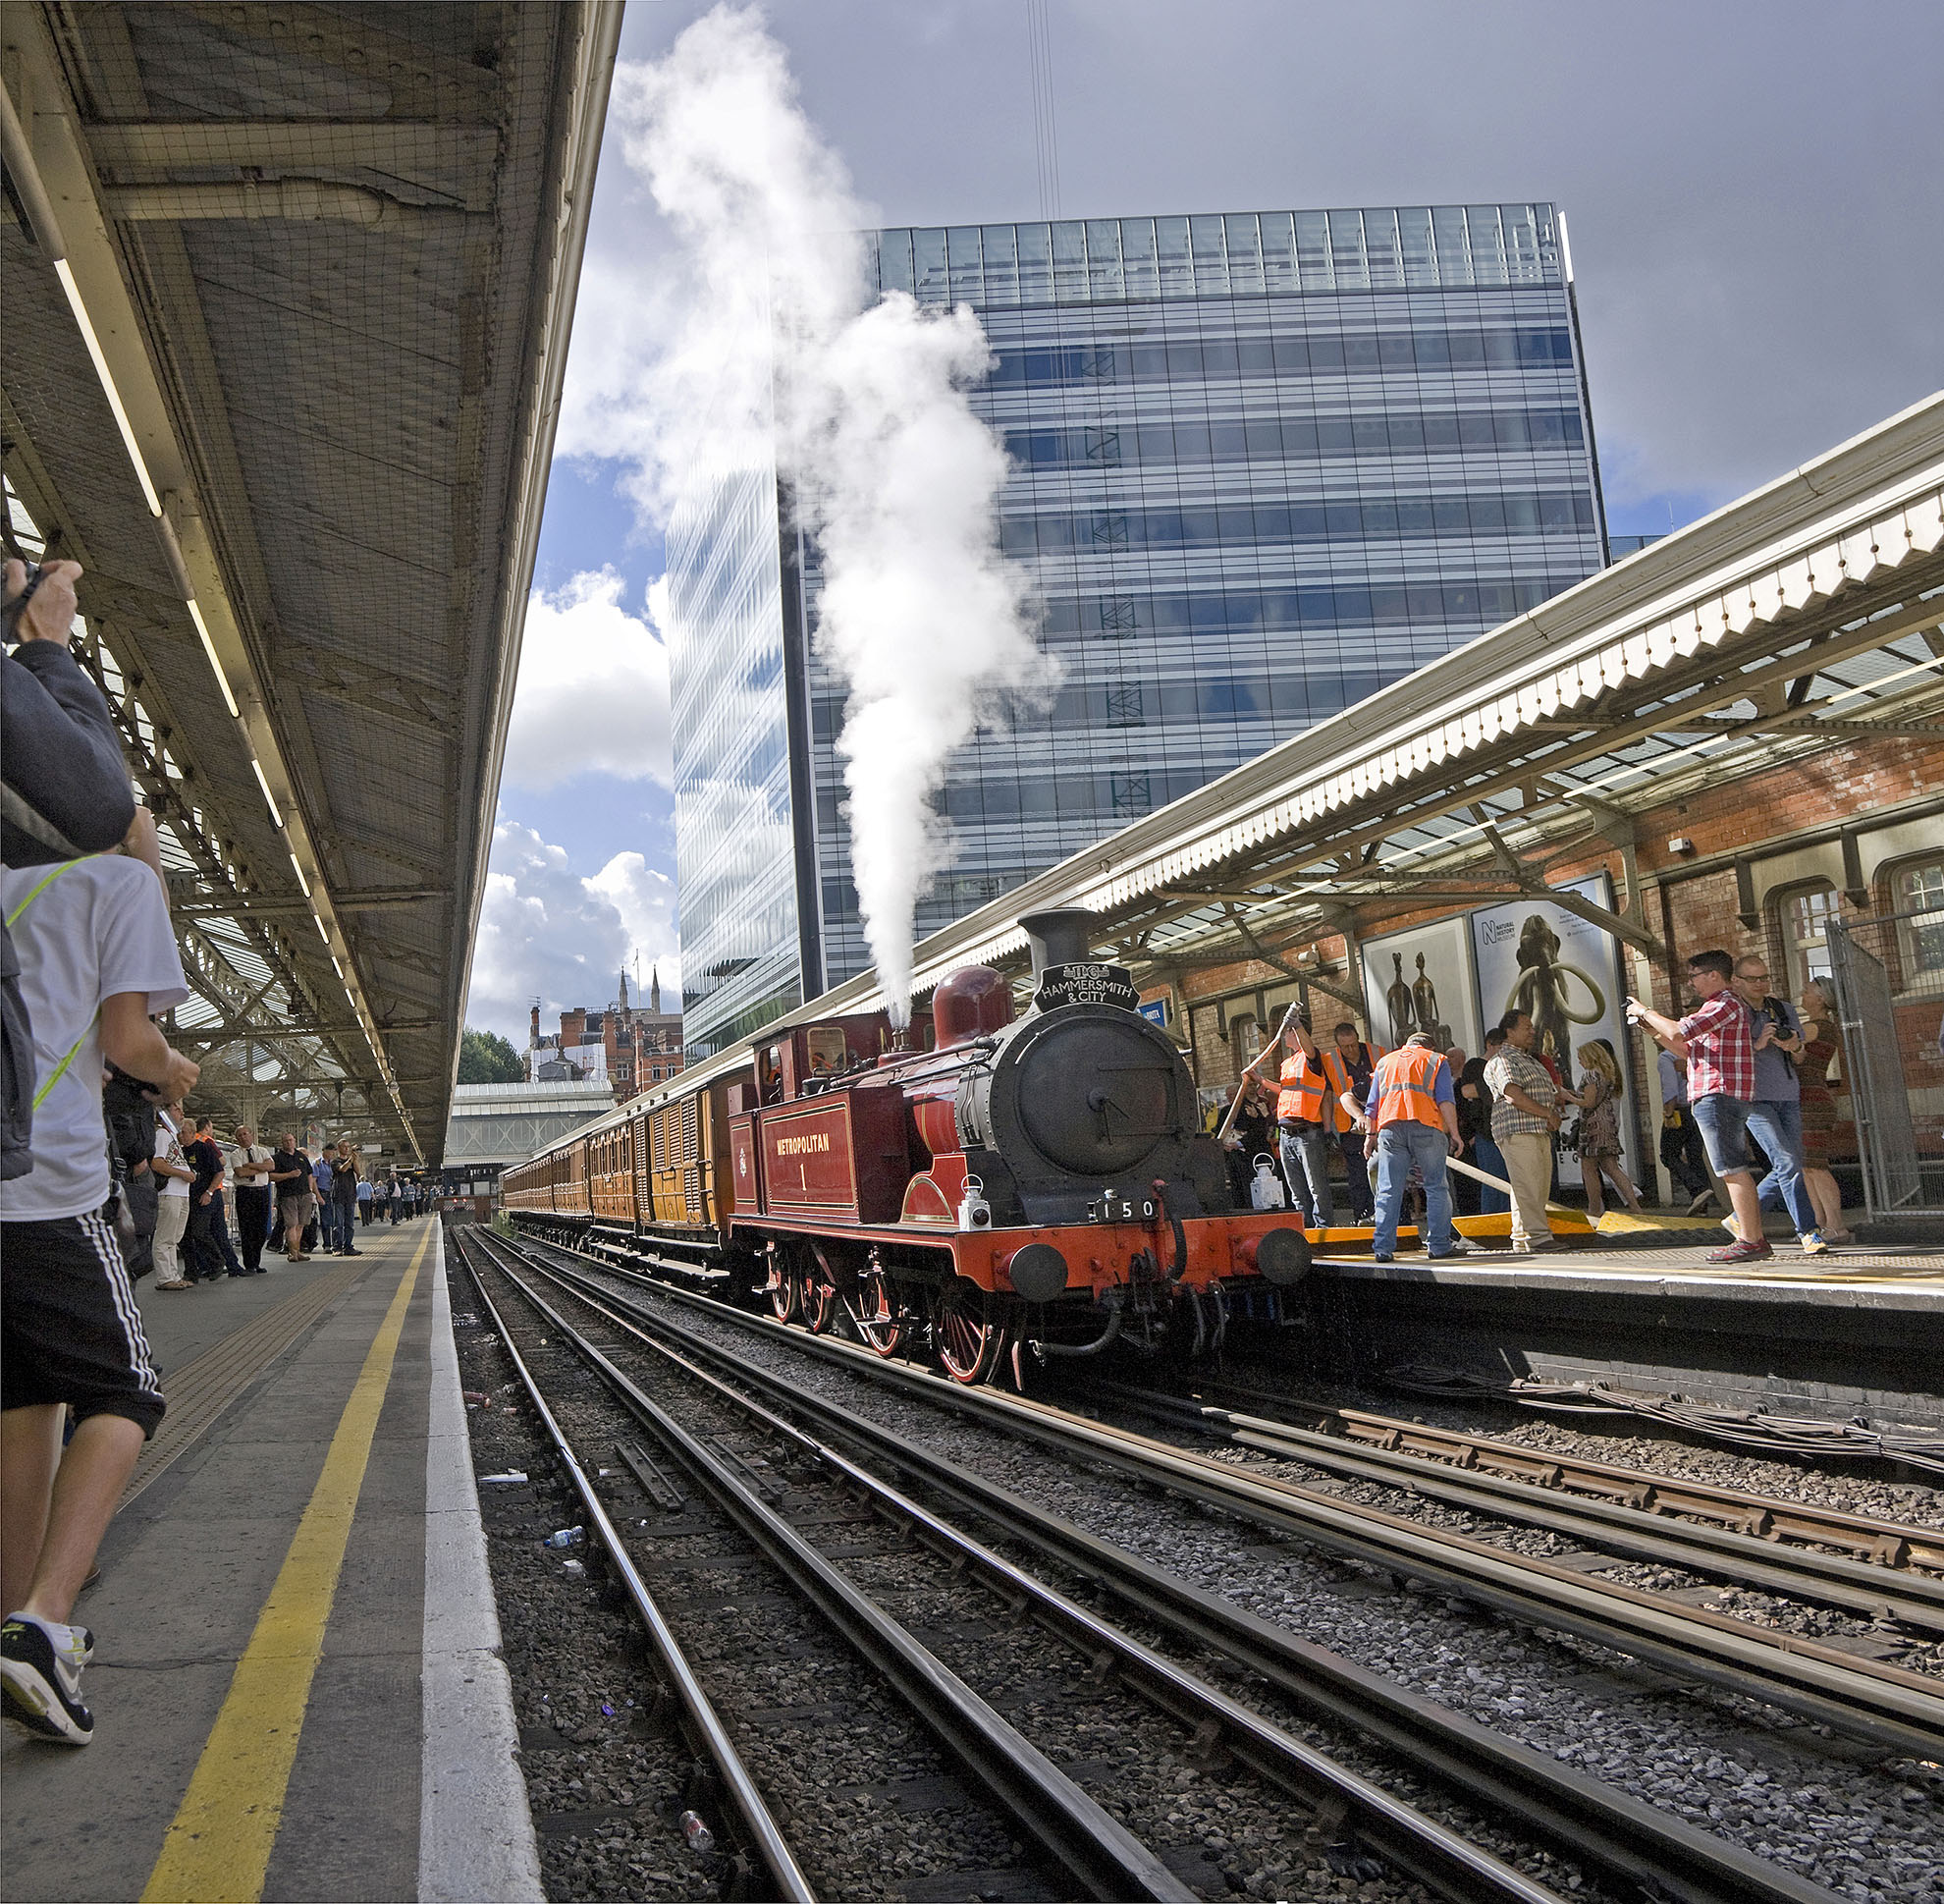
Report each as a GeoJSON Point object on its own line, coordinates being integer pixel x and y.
{"type": "Point", "coordinates": [1264, 464]}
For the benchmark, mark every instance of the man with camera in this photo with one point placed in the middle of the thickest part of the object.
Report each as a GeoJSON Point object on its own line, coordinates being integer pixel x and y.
{"type": "Point", "coordinates": [1718, 1042]}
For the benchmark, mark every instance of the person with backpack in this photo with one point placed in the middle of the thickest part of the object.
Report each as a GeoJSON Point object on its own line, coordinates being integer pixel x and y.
{"type": "Point", "coordinates": [97, 964]}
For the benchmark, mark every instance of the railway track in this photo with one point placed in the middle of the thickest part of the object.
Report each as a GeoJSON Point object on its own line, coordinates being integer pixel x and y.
{"type": "Point", "coordinates": [1626, 1841]}
{"type": "Point", "coordinates": [1872, 1568]}
{"type": "Point", "coordinates": [1346, 1817]}
{"type": "Point", "coordinates": [1863, 1698]}
{"type": "Point", "coordinates": [1088, 1854]}
{"type": "Point", "coordinates": [1785, 1523]}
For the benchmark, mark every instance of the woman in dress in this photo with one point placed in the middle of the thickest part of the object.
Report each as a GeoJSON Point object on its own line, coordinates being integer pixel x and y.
{"type": "Point", "coordinates": [1819, 1048]}
{"type": "Point", "coordinates": [1599, 1099]}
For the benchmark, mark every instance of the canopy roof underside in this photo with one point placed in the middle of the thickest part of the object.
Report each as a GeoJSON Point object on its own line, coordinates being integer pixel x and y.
{"type": "Point", "coordinates": [323, 259]}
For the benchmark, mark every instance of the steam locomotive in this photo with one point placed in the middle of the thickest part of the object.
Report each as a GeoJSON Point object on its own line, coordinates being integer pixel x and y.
{"type": "Point", "coordinates": [1018, 1187]}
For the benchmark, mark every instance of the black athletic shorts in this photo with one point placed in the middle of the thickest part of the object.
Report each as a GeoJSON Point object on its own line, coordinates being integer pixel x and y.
{"type": "Point", "coordinates": [70, 1330]}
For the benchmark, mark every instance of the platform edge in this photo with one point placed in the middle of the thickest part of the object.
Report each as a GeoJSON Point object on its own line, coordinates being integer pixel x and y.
{"type": "Point", "coordinates": [475, 1828]}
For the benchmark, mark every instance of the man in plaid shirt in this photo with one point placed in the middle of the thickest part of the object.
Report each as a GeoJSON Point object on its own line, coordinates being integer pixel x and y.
{"type": "Point", "coordinates": [1718, 1041]}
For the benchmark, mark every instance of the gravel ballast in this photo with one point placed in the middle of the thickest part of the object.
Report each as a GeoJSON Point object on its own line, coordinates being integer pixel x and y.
{"type": "Point", "coordinates": [1833, 1810]}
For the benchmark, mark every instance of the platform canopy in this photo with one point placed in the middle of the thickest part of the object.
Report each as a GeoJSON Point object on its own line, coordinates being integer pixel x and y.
{"type": "Point", "coordinates": [1807, 616]}
{"type": "Point", "coordinates": [287, 296]}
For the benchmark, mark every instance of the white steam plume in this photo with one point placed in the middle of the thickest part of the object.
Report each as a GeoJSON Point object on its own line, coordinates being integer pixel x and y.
{"type": "Point", "coordinates": [769, 339]}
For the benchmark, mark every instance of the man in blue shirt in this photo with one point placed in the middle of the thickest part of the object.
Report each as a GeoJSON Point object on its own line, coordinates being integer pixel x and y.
{"type": "Point", "coordinates": [327, 1210]}
{"type": "Point", "coordinates": [1414, 1112]}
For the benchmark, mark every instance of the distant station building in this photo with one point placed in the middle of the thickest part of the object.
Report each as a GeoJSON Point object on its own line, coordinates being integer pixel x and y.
{"type": "Point", "coordinates": [494, 1126]}
{"type": "Point", "coordinates": [1263, 465]}
{"type": "Point", "coordinates": [622, 1045]}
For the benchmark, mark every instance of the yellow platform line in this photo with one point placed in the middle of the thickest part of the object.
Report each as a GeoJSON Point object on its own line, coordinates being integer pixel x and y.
{"type": "Point", "coordinates": [217, 1850]}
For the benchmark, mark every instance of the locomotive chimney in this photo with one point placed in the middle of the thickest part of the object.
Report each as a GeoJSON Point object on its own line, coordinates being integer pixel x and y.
{"type": "Point", "coordinates": [1063, 935]}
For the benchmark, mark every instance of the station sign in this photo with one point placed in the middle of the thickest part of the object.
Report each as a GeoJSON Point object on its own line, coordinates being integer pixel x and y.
{"type": "Point", "coordinates": [1087, 983]}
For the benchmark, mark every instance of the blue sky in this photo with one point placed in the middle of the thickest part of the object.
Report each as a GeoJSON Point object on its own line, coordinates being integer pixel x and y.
{"type": "Point", "coordinates": [1744, 219]}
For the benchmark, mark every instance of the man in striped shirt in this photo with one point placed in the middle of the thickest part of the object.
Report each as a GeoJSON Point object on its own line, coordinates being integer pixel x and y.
{"type": "Point", "coordinates": [1718, 1040]}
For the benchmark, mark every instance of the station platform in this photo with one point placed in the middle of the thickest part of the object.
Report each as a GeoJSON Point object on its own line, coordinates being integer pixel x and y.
{"type": "Point", "coordinates": [295, 1682]}
{"type": "Point", "coordinates": [1856, 1332]}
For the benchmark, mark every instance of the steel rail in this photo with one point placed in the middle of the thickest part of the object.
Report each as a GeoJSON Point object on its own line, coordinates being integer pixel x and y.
{"type": "Point", "coordinates": [1102, 1857]}
{"type": "Point", "coordinates": [1439, 1858]}
{"type": "Point", "coordinates": [1883, 1543]}
{"type": "Point", "coordinates": [756, 1825]}
{"type": "Point", "coordinates": [1913, 1598]}
{"type": "Point", "coordinates": [1580, 1815]}
{"type": "Point", "coordinates": [1860, 1698]}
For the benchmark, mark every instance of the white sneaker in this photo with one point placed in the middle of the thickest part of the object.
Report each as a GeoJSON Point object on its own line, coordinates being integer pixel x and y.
{"type": "Point", "coordinates": [1732, 1224]}
{"type": "Point", "coordinates": [40, 1669]}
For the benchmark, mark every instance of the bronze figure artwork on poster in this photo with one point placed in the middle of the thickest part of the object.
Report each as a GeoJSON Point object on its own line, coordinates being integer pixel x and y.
{"type": "Point", "coordinates": [1412, 1005]}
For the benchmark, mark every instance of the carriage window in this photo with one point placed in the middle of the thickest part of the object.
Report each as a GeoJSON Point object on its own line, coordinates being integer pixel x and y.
{"type": "Point", "coordinates": [825, 1046]}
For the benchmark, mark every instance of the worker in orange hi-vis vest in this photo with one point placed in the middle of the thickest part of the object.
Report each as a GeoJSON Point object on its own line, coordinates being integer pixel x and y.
{"type": "Point", "coordinates": [1413, 1110]}
{"type": "Point", "coordinates": [1301, 1115]}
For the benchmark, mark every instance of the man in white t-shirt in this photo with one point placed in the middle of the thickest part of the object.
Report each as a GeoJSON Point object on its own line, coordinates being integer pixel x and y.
{"type": "Point", "coordinates": [172, 1177]}
{"type": "Point", "coordinates": [97, 962]}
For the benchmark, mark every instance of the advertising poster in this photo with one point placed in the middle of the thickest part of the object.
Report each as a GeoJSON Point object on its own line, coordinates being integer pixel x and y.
{"type": "Point", "coordinates": [1535, 956]}
{"type": "Point", "coordinates": [1422, 979]}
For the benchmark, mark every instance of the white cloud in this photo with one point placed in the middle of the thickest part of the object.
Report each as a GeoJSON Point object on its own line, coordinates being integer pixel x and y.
{"type": "Point", "coordinates": [645, 900]}
{"type": "Point", "coordinates": [547, 933]}
{"type": "Point", "coordinates": [593, 688]}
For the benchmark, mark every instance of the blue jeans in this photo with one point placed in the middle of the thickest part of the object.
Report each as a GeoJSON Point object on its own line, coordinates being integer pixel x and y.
{"type": "Point", "coordinates": [327, 1224]}
{"type": "Point", "coordinates": [1724, 1130]}
{"type": "Point", "coordinates": [1398, 1147]}
{"type": "Point", "coordinates": [1357, 1169]}
{"type": "Point", "coordinates": [1776, 1124]}
{"type": "Point", "coordinates": [1488, 1156]}
{"type": "Point", "coordinates": [1306, 1170]}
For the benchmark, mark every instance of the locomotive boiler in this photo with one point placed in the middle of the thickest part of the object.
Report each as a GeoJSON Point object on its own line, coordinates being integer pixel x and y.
{"type": "Point", "coordinates": [1013, 1187]}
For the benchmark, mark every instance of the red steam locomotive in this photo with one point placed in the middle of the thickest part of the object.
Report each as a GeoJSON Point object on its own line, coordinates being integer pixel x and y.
{"type": "Point", "coordinates": [1028, 1186]}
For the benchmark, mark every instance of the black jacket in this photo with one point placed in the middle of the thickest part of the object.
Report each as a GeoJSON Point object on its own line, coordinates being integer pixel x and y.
{"type": "Point", "coordinates": [67, 792]}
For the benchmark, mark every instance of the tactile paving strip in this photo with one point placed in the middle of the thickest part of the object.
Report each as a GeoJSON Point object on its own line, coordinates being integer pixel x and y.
{"type": "Point", "coordinates": [198, 1392]}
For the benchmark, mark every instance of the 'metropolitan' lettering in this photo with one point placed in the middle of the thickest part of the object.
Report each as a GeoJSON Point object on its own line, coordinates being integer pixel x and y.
{"type": "Point", "coordinates": [797, 1146]}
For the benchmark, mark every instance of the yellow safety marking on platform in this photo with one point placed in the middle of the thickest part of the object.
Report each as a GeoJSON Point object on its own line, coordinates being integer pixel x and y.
{"type": "Point", "coordinates": [217, 1851]}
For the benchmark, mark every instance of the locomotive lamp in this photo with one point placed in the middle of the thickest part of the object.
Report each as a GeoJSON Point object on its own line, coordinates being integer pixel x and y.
{"type": "Point", "coordinates": [974, 1212]}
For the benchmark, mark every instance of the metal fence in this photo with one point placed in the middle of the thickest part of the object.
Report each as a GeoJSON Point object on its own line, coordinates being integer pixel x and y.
{"type": "Point", "coordinates": [1888, 973]}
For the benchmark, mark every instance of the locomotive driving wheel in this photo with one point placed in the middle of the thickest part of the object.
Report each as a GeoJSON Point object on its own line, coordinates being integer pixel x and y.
{"type": "Point", "coordinates": [875, 1310]}
{"type": "Point", "coordinates": [821, 1307]}
{"type": "Point", "coordinates": [968, 1327]}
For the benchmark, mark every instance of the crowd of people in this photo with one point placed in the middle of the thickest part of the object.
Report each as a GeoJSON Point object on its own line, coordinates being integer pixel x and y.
{"type": "Point", "coordinates": [1745, 1070]}
{"type": "Point", "coordinates": [102, 1174]}
{"type": "Point", "coordinates": [284, 1199]}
